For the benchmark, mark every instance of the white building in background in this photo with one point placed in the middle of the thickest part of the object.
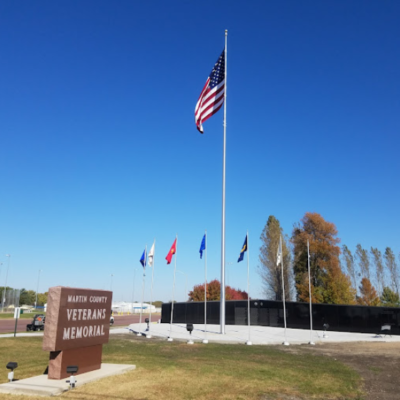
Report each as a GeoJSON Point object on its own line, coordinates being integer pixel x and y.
{"type": "Point", "coordinates": [122, 306]}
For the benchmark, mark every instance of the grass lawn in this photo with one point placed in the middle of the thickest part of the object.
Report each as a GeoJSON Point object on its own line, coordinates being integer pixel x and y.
{"type": "Point", "coordinates": [22, 316]}
{"type": "Point", "coordinates": [176, 371]}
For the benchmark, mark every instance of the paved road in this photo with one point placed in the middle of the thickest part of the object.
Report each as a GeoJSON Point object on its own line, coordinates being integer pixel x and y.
{"type": "Point", "coordinates": [7, 325]}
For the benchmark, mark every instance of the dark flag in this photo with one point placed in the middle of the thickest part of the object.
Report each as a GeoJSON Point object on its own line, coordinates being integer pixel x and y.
{"type": "Point", "coordinates": [244, 249]}
{"type": "Point", "coordinates": [143, 259]}
{"type": "Point", "coordinates": [202, 246]}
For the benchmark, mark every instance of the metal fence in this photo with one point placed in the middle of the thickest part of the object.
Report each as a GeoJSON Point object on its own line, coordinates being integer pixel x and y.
{"type": "Point", "coordinates": [9, 299]}
{"type": "Point", "coordinates": [342, 318]}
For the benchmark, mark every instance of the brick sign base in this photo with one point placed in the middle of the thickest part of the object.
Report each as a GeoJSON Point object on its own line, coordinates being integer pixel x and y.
{"type": "Point", "coordinates": [87, 358]}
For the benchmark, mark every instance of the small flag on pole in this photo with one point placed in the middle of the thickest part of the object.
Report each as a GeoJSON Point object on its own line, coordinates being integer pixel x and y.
{"type": "Point", "coordinates": [143, 259]}
{"type": "Point", "coordinates": [279, 254]}
{"type": "Point", "coordinates": [202, 246]}
{"type": "Point", "coordinates": [212, 96]}
{"type": "Point", "coordinates": [150, 256]}
{"type": "Point", "coordinates": [171, 252]}
{"type": "Point", "coordinates": [244, 249]}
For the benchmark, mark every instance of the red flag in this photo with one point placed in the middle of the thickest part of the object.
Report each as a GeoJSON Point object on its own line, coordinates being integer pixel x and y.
{"type": "Point", "coordinates": [171, 253]}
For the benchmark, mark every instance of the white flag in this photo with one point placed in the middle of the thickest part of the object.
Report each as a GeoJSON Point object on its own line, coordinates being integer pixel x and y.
{"type": "Point", "coordinates": [150, 256]}
{"type": "Point", "coordinates": [278, 256]}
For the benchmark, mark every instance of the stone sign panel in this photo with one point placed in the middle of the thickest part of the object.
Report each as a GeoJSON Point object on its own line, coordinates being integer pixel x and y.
{"type": "Point", "coordinates": [77, 325]}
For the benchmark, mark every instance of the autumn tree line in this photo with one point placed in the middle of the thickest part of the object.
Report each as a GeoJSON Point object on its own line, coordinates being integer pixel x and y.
{"type": "Point", "coordinates": [338, 275]}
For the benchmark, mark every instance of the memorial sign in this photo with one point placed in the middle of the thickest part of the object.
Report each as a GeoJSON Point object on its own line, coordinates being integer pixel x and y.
{"type": "Point", "coordinates": [77, 325]}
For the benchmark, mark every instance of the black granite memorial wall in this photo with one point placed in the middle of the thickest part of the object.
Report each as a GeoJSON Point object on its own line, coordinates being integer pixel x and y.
{"type": "Point", "coordinates": [342, 318]}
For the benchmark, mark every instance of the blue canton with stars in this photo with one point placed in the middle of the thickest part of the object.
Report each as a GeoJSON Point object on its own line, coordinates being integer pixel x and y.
{"type": "Point", "coordinates": [218, 73]}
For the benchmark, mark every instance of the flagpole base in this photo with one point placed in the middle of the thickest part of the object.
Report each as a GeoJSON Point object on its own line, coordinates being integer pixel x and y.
{"type": "Point", "coordinates": [249, 343]}
{"type": "Point", "coordinates": [190, 341]}
{"type": "Point", "coordinates": [311, 343]}
{"type": "Point", "coordinates": [170, 339]}
{"type": "Point", "coordinates": [285, 343]}
{"type": "Point", "coordinates": [205, 341]}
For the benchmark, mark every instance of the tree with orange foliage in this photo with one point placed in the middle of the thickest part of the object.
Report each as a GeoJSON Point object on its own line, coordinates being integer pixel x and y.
{"type": "Point", "coordinates": [214, 292]}
{"type": "Point", "coordinates": [369, 296]}
{"type": "Point", "coordinates": [328, 283]}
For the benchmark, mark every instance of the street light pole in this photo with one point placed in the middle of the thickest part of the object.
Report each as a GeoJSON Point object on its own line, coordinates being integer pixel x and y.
{"type": "Point", "coordinates": [5, 284]}
{"type": "Point", "coordinates": [37, 287]}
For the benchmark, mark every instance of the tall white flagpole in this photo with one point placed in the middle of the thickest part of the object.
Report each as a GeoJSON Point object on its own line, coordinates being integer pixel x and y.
{"type": "Point", "coordinates": [309, 291]}
{"type": "Point", "coordinates": [285, 343]}
{"type": "Point", "coordinates": [248, 288]}
{"type": "Point", "coordinates": [141, 306]}
{"type": "Point", "coordinates": [222, 303]}
{"type": "Point", "coordinates": [173, 292]}
{"type": "Point", "coordinates": [151, 291]}
{"type": "Point", "coordinates": [205, 340]}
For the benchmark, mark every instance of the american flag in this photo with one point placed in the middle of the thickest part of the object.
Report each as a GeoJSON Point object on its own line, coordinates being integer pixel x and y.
{"type": "Point", "coordinates": [212, 95]}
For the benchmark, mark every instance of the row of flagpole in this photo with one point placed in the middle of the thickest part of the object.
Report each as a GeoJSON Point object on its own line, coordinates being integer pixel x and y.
{"type": "Point", "coordinates": [148, 259]}
{"type": "Point", "coordinates": [279, 260]}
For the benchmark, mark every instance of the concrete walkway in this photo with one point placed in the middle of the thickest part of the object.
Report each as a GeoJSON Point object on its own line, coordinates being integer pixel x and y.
{"type": "Point", "coordinates": [258, 334]}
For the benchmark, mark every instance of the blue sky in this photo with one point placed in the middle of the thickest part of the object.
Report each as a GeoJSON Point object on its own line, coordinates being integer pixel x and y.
{"type": "Point", "coordinates": [100, 153]}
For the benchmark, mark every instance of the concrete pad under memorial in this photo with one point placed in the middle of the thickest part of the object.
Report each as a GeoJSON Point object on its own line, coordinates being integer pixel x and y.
{"type": "Point", "coordinates": [77, 326]}
{"type": "Point", "coordinates": [41, 386]}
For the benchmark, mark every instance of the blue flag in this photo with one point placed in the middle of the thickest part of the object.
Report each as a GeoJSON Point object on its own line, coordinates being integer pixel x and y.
{"type": "Point", "coordinates": [202, 246]}
{"type": "Point", "coordinates": [244, 249]}
{"type": "Point", "coordinates": [143, 259]}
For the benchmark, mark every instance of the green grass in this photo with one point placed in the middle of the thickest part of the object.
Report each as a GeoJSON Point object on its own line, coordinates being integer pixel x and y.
{"type": "Point", "coordinates": [22, 316]}
{"type": "Point", "coordinates": [175, 370]}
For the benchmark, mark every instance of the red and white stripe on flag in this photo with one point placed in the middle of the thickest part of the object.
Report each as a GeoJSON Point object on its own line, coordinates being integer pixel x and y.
{"type": "Point", "coordinates": [212, 95]}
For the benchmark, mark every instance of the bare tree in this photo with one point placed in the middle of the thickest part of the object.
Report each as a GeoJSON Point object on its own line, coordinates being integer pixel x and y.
{"type": "Point", "coordinates": [270, 272]}
{"type": "Point", "coordinates": [350, 265]}
{"type": "Point", "coordinates": [377, 261]}
{"type": "Point", "coordinates": [391, 265]}
{"type": "Point", "coordinates": [363, 261]}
